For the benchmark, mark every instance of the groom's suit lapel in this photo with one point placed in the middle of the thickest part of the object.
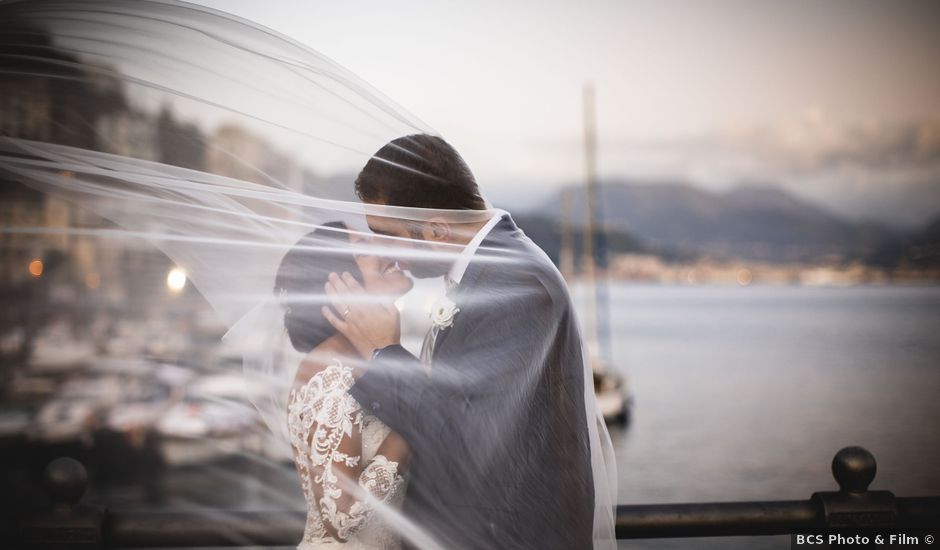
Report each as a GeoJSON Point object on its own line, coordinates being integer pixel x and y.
{"type": "Point", "coordinates": [475, 270]}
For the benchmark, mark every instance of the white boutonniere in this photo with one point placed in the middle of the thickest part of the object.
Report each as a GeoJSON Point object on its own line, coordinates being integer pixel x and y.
{"type": "Point", "coordinates": [443, 312]}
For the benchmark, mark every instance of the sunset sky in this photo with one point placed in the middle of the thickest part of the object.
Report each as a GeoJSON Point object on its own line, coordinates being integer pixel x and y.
{"type": "Point", "coordinates": [837, 101]}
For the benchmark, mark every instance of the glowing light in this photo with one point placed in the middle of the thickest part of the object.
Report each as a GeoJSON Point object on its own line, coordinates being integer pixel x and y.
{"type": "Point", "coordinates": [176, 279]}
{"type": "Point", "coordinates": [35, 268]}
{"type": "Point", "coordinates": [745, 277]}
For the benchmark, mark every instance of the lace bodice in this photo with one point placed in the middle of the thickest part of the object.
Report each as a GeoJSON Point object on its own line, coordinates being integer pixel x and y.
{"type": "Point", "coordinates": [333, 441]}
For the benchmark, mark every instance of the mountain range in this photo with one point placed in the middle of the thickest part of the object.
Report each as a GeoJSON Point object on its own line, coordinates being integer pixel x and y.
{"type": "Point", "coordinates": [753, 222]}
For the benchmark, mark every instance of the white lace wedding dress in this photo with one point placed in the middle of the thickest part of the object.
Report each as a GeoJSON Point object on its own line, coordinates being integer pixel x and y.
{"type": "Point", "coordinates": [321, 416]}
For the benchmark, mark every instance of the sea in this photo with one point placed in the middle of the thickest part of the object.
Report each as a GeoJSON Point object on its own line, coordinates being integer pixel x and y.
{"type": "Point", "coordinates": [747, 393]}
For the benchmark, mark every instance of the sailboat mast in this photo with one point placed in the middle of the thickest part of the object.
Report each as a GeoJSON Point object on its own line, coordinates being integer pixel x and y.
{"type": "Point", "coordinates": [590, 176]}
{"type": "Point", "coordinates": [566, 253]}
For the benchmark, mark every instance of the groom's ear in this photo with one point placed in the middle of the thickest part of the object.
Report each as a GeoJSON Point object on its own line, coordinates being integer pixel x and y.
{"type": "Point", "coordinates": [436, 230]}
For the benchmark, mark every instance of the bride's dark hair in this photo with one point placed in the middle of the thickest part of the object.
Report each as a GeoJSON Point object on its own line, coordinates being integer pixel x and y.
{"type": "Point", "coordinates": [300, 279]}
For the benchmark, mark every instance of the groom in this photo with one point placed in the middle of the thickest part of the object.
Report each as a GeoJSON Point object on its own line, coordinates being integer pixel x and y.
{"type": "Point", "coordinates": [493, 410]}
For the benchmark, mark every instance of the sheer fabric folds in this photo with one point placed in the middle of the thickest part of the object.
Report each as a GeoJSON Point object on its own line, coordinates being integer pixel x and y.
{"type": "Point", "coordinates": [234, 152]}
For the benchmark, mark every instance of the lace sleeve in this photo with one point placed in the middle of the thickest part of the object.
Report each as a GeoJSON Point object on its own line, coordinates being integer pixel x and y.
{"type": "Point", "coordinates": [332, 438]}
{"type": "Point", "coordinates": [381, 481]}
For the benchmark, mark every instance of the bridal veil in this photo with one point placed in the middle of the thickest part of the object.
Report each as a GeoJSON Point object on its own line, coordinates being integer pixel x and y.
{"type": "Point", "coordinates": [225, 146]}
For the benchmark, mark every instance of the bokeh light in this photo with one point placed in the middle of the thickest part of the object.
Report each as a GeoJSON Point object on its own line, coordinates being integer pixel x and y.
{"type": "Point", "coordinates": [35, 268]}
{"type": "Point", "coordinates": [176, 279]}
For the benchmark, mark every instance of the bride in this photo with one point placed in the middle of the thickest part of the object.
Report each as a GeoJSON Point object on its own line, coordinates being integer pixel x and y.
{"type": "Point", "coordinates": [349, 463]}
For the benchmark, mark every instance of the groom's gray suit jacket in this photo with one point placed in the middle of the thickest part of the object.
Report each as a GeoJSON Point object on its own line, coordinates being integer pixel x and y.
{"type": "Point", "coordinates": [498, 431]}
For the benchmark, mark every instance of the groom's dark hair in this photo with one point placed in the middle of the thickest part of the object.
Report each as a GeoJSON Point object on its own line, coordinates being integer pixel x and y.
{"type": "Point", "coordinates": [419, 171]}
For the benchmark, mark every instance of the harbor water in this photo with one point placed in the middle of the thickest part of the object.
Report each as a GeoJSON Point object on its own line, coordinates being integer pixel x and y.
{"type": "Point", "coordinates": [747, 393]}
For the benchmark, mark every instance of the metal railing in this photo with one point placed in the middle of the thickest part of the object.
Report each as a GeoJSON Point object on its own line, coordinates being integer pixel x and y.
{"type": "Point", "coordinates": [70, 524]}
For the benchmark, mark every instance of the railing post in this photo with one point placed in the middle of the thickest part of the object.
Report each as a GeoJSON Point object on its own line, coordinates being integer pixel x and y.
{"type": "Point", "coordinates": [67, 524]}
{"type": "Point", "coordinates": [853, 505]}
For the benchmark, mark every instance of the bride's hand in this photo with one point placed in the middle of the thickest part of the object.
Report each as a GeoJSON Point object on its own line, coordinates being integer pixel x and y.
{"type": "Point", "coordinates": [368, 325]}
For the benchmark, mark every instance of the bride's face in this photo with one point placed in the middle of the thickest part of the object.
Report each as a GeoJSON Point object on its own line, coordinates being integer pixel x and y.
{"type": "Point", "coordinates": [383, 275]}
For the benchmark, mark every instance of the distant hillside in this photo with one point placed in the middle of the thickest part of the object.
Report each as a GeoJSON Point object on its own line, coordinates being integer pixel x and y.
{"type": "Point", "coordinates": [762, 223]}
{"type": "Point", "coordinates": [546, 232]}
{"type": "Point", "coordinates": [920, 249]}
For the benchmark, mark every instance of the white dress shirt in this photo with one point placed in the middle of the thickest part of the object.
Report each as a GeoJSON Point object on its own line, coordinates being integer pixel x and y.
{"type": "Point", "coordinates": [463, 260]}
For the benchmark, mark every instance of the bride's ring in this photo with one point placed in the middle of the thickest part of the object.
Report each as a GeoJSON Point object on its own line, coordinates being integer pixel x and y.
{"type": "Point", "coordinates": [345, 313]}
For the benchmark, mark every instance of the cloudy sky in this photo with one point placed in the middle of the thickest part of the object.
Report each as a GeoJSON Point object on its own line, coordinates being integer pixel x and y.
{"type": "Point", "coordinates": [838, 101]}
